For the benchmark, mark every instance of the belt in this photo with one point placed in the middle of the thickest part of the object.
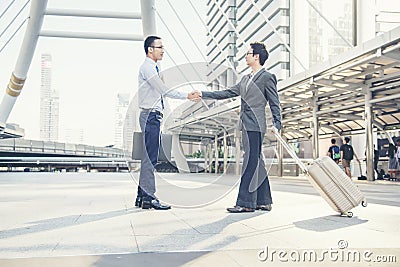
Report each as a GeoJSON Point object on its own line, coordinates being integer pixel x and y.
{"type": "Point", "coordinates": [152, 110]}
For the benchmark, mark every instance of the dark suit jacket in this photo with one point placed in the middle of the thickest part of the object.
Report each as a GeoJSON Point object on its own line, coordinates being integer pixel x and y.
{"type": "Point", "coordinates": [260, 90]}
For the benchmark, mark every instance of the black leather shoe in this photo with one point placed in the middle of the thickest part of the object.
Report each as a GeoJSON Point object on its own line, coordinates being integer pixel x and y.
{"type": "Point", "coordinates": [155, 204]}
{"type": "Point", "coordinates": [238, 209]}
{"type": "Point", "coordinates": [138, 202]}
{"type": "Point", "coordinates": [267, 207]}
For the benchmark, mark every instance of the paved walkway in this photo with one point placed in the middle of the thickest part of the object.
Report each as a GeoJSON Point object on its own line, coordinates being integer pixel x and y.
{"type": "Point", "coordinates": [88, 219]}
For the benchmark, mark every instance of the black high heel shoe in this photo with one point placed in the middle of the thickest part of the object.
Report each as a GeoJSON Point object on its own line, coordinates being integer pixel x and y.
{"type": "Point", "coordinates": [138, 202]}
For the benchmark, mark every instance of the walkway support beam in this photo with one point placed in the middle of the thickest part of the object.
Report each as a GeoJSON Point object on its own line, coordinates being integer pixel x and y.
{"type": "Point", "coordinates": [148, 10]}
{"type": "Point", "coordinates": [92, 35]}
{"type": "Point", "coordinates": [315, 126]}
{"type": "Point", "coordinates": [92, 14]}
{"type": "Point", "coordinates": [225, 152]}
{"type": "Point", "coordinates": [216, 154]}
{"type": "Point", "coordinates": [27, 50]}
{"type": "Point", "coordinates": [237, 150]}
{"type": "Point", "coordinates": [279, 156]}
{"type": "Point", "coordinates": [369, 119]}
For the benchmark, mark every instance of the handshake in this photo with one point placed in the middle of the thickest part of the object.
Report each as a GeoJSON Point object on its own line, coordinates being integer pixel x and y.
{"type": "Point", "coordinates": [195, 96]}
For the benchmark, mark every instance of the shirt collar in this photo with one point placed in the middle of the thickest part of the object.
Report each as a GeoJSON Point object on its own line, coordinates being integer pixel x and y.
{"type": "Point", "coordinates": [149, 60]}
{"type": "Point", "coordinates": [254, 74]}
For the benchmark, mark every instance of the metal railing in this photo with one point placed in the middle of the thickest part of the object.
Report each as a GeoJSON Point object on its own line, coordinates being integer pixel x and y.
{"type": "Point", "coordinates": [35, 147]}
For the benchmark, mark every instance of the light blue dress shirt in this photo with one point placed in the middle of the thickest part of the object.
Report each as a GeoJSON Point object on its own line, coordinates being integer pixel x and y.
{"type": "Point", "coordinates": [152, 88]}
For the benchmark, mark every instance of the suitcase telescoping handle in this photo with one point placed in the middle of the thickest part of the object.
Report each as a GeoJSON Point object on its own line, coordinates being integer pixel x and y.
{"type": "Point", "coordinates": [290, 151]}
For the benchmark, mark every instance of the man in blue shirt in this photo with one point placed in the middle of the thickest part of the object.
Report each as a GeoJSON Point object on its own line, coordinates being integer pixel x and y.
{"type": "Point", "coordinates": [151, 95]}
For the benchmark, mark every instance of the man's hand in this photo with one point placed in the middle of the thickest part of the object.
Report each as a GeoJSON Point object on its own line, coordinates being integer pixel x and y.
{"type": "Point", "coordinates": [274, 130]}
{"type": "Point", "coordinates": [277, 126]}
{"type": "Point", "coordinates": [194, 96]}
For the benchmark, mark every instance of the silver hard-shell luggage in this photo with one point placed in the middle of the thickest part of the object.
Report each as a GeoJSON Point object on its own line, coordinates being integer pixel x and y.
{"type": "Point", "coordinates": [341, 193]}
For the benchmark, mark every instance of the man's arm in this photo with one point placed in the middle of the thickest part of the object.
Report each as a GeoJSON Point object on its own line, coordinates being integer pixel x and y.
{"type": "Point", "coordinates": [155, 82]}
{"type": "Point", "coordinates": [273, 99]}
{"type": "Point", "coordinates": [224, 94]}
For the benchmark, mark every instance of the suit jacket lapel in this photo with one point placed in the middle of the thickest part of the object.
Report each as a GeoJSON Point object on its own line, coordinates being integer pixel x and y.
{"type": "Point", "coordinates": [246, 85]}
{"type": "Point", "coordinates": [251, 84]}
{"type": "Point", "coordinates": [258, 75]}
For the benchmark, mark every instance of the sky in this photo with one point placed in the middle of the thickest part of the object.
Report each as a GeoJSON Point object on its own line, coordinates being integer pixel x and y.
{"type": "Point", "coordinates": [88, 74]}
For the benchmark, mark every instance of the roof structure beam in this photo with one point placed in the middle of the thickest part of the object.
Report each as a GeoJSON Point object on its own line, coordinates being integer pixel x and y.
{"type": "Point", "coordinates": [92, 35]}
{"type": "Point", "coordinates": [92, 14]}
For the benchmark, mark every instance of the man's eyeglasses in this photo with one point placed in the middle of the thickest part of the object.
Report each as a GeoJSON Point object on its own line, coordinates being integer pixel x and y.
{"type": "Point", "coordinates": [160, 47]}
{"type": "Point", "coordinates": [250, 53]}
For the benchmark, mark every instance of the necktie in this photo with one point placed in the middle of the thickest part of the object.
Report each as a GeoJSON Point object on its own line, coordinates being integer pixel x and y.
{"type": "Point", "coordinates": [248, 82]}
{"type": "Point", "coordinates": [162, 100]}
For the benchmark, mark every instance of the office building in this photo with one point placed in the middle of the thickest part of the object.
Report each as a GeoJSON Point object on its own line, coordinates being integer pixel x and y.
{"type": "Point", "coordinates": [298, 34]}
{"type": "Point", "coordinates": [121, 108]}
{"type": "Point", "coordinates": [49, 102]}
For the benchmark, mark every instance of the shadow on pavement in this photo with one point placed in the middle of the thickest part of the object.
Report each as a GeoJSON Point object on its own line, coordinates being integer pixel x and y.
{"type": "Point", "coordinates": [180, 240]}
{"type": "Point", "coordinates": [61, 222]}
{"type": "Point", "coordinates": [328, 223]}
{"type": "Point", "coordinates": [165, 259]}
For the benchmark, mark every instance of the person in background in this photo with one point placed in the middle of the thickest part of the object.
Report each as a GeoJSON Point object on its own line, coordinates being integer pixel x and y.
{"type": "Point", "coordinates": [334, 151]}
{"type": "Point", "coordinates": [376, 160]}
{"type": "Point", "coordinates": [398, 156]}
{"type": "Point", "coordinates": [393, 161]}
{"type": "Point", "coordinates": [347, 154]}
{"type": "Point", "coordinates": [398, 151]}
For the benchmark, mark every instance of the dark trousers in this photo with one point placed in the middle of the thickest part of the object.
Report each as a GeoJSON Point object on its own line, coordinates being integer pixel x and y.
{"type": "Point", "coordinates": [150, 125]}
{"type": "Point", "coordinates": [254, 186]}
{"type": "Point", "coordinates": [376, 165]}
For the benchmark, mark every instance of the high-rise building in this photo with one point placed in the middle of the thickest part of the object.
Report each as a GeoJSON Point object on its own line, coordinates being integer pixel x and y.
{"type": "Point", "coordinates": [131, 125]}
{"type": "Point", "coordinates": [298, 34]}
{"type": "Point", "coordinates": [319, 30]}
{"type": "Point", "coordinates": [49, 102]}
{"type": "Point", "coordinates": [121, 108]}
{"type": "Point", "coordinates": [234, 24]}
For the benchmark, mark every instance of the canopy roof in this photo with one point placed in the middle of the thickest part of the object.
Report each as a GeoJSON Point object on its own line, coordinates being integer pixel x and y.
{"type": "Point", "coordinates": [336, 88]}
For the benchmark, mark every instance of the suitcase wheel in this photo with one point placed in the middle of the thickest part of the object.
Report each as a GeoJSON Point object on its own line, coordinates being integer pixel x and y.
{"type": "Point", "coordinates": [348, 214]}
{"type": "Point", "coordinates": [364, 203]}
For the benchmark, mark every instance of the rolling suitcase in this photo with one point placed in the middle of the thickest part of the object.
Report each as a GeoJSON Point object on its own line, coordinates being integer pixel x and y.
{"type": "Point", "coordinates": [331, 182]}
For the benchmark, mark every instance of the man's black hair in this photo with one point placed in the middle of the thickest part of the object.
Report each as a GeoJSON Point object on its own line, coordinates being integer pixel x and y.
{"type": "Point", "coordinates": [149, 42]}
{"type": "Point", "coordinates": [333, 141]}
{"type": "Point", "coordinates": [259, 48]}
{"type": "Point", "coordinates": [347, 139]}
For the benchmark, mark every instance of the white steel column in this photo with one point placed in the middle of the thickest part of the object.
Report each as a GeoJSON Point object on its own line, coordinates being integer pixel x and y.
{"type": "Point", "coordinates": [369, 119]}
{"type": "Point", "coordinates": [230, 78]}
{"type": "Point", "coordinates": [225, 152]}
{"type": "Point", "coordinates": [210, 158]}
{"type": "Point", "coordinates": [315, 126]}
{"type": "Point", "coordinates": [148, 10]}
{"type": "Point", "coordinates": [366, 11]}
{"type": "Point", "coordinates": [18, 77]}
{"type": "Point", "coordinates": [279, 155]}
{"type": "Point", "coordinates": [237, 156]}
{"type": "Point", "coordinates": [216, 154]}
{"type": "Point", "coordinates": [205, 158]}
